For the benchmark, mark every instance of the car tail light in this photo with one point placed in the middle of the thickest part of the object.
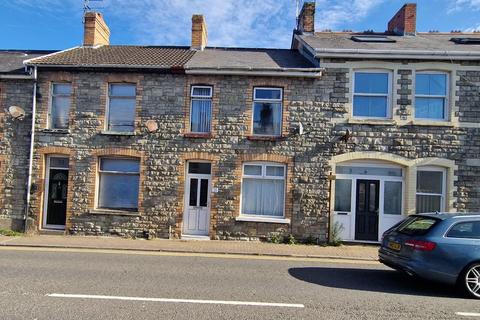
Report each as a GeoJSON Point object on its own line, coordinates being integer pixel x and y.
{"type": "Point", "coordinates": [421, 245]}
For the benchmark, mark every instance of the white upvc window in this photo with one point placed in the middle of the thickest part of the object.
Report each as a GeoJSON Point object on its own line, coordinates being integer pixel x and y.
{"type": "Point", "coordinates": [267, 111]}
{"type": "Point", "coordinates": [121, 107]}
{"type": "Point", "coordinates": [431, 187]}
{"type": "Point", "coordinates": [118, 183]}
{"type": "Point", "coordinates": [201, 109]}
{"type": "Point", "coordinates": [431, 95]}
{"type": "Point", "coordinates": [61, 97]}
{"type": "Point", "coordinates": [372, 94]}
{"type": "Point", "coordinates": [263, 190]}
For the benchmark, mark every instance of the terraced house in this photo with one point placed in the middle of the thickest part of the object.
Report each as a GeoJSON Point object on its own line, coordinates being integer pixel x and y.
{"type": "Point", "coordinates": [346, 130]}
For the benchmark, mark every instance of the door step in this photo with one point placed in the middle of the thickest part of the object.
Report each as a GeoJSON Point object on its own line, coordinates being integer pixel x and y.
{"type": "Point", "coordinates": [195, 238]}
{"type": "Point", "coordinates": [51, 232]}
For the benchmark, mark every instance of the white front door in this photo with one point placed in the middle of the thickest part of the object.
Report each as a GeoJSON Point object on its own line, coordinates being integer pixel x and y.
{"type": "Point", "coordinates": [197, 199]}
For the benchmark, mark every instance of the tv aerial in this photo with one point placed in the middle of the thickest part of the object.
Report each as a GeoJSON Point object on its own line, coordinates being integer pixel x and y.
{"type": "Point", "coordinates": [91, 5]}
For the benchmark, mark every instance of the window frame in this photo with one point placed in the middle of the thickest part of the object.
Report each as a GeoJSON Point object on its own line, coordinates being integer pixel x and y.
{"type": "Point", "coordinates": [254, 100]}
{"type": "Point", "coordinates": [98, 176]}
{"type": "Point", "coordinates": [108, 109]}
{"type": "Point", "coordinates": [389, 94]}
{"type": "Point", "coordinates": [202, 98]}
{"type": "Point", "coordinates": [443, 199]}
{"type": "Point", "coordinates": [446, 97]}
{"type": "Point", "coordinates": [457, 223]}
{"type": "Point", "coordinates": [264, 176]}
{"type": "Point", "coordinates": [50, 106]}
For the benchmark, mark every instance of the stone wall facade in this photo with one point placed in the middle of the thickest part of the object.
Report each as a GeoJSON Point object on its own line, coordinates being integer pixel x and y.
{"type": "Point", "coordinates": [14, 151]}
{"type": "Point", "coordinates": [322, 105]}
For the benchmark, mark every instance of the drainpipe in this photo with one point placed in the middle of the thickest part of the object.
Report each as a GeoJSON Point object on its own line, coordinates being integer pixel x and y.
{"type": "Point", "coordinates": [32, 143]}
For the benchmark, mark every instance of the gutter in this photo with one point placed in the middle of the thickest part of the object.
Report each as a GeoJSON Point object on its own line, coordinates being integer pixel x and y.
{"type": "Point", "coordinates": [249, 71]}
{"type": "Point", "coordinates": [396, 54]}
{"type": "Point", "coordinates": [105, 66]}
{"type": "Point", "coordinates": [16, 76]}
{"type": "Point", "coordinates": [32, 144]}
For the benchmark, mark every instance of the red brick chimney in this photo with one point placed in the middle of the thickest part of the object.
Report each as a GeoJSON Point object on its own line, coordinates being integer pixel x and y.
{"type": "Point", "coordinates": [404, 22]}
{"type": "Point", "coordinates": [96, 31]}
{"type": "Point", "coordinates": [199, 32]}
{"type": "Point", "coordinates": [306, 18]}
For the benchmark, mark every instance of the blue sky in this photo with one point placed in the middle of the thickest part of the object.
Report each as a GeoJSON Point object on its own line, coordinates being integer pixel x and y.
{"type": "Point", "coordinates": [57, 24]}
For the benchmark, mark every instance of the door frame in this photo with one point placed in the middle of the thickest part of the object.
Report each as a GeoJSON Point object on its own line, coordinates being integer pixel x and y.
{"type": "Point", "coordinates": [382, 218]}
{"type": "Point", "coordinates": [44, 225]}
{"type": "Point", "coordinates": [187, 194]}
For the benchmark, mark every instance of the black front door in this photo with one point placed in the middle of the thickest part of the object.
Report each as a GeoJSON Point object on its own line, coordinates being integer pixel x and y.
{"type": "Point", "coordinates": [57, 197]}
{"type": "Point", "coordinates": [366, 217]}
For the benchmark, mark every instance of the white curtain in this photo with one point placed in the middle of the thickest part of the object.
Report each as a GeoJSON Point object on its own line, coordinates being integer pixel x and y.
{"type": "Point", "coordinates": [264, 197]}
{"type": "Point", "coordinates": [201, 115]}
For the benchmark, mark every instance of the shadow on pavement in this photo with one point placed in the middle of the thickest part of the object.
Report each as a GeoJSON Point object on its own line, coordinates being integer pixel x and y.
{"type": "Point", "coordinates": [376, 280]}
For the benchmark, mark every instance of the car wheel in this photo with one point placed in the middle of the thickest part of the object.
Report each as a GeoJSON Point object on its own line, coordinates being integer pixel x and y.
{"type": "Point", "coordinates": [471, 280]}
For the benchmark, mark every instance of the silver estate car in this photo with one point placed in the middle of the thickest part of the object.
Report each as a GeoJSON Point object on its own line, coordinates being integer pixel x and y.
{"type": "Point", "coordinates": [442, 247]}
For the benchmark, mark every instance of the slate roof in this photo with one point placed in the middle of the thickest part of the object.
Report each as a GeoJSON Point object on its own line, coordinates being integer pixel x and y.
{"type": "Point", "coordinates": [118, 56]}
{"type": "Point", "coordinates": [11, 61]}
{"type": "Point", "coordinates": [434, 43]}
{"type": "Point", "coordinates": [250, 59]}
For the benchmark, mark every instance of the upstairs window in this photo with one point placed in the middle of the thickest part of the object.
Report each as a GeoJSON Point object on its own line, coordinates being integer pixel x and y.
{"type": "Point", "coordinates": [431, 98]}
{"type": "Point", "coordinates": [60, 107]}
{"type": "Point", "coordinates": [371, 94]}
{"type": "Point", "coordinates": [201, 109]}
{"type": "Point", "coordinates": [118, 184]}
{"type": "Point", "coordinates": [121, 107]}
{"type": "Point", "coordinates": [267, 111]}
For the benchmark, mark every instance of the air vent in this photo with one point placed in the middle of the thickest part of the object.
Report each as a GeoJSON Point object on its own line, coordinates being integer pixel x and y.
{"type": "Point", "coordinates": [372, 39]}
{"type": "Point", "coordinates": [466, 40]}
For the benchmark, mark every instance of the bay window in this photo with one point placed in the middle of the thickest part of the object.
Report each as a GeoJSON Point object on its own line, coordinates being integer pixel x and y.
{"type": "Point", "coordinates": [121, 107]}
{"type": "Point", "coordinates": [60, 105]}
{"type": "Point", "coordinates": [118, 183]}
{"type": "Point", "coordinates": [430, 190]}
{"type": "Point", "coordinates": [201, 109]}
{"type": "Point", "coordinates": [263, 190]}
{"type": "Point", "coordinates": [371, 94]}
{"type": "Point", "coordinates": [267, 111]}
{"type": "Point", "coordinates": [431, 95]}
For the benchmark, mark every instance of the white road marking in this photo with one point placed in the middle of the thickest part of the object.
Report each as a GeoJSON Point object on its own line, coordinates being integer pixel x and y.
{"type": "Point", "coordinates": [468, 314]}
{"type": "Point", "coordinates": [222, 302]}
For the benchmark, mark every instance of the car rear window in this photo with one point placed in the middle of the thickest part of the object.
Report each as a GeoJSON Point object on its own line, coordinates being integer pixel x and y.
{"type": "Point", "coordinates": [418, 226]}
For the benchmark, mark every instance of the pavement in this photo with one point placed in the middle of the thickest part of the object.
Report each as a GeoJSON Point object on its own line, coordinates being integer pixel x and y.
{"type": "Point", "coordinates": [253, 248]}
{"type": "Point", "coordinates": [61, 283]}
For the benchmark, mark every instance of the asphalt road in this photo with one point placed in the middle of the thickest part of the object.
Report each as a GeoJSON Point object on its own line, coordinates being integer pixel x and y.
{"type": "Point", "coordinates": [326, 290]}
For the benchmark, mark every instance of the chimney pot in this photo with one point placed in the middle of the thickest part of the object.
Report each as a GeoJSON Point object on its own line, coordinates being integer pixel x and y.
{"type": "Point", "coordinates": [404, 22]}
{"type": "Point", "coordinates": [199, 32]}
{"type": "Point", "coordinates": [96, 31]}
{"type": "Point", "coordinates": [306, 18]}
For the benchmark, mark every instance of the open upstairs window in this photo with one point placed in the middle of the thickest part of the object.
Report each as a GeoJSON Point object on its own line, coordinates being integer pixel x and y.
{"type": "Point", "coordinates": [267, 111]}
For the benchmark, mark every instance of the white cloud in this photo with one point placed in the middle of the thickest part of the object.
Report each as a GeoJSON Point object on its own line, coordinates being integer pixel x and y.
{"type": "Point", "coordinates": [334, 14]}
{"type": "Point", "coordinates": [459, 5]}
{"type": "Point", "coordinates": [473, 29]}
{"type": "Point", "coordinates": [245, 23]}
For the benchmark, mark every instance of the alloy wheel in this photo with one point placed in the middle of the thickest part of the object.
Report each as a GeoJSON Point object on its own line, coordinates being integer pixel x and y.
{"type": "Point", "coordinates": [472, 280]}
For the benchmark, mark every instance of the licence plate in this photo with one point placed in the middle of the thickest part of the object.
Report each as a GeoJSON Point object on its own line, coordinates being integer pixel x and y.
{"type": "Point", "coordinates": [394, 246]}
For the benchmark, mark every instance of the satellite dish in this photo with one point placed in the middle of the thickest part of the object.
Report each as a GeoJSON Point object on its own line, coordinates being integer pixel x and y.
{"type": "Point", "coordinates": [152, 125]}
{"type": "Point", "coordinates": [16, 112]}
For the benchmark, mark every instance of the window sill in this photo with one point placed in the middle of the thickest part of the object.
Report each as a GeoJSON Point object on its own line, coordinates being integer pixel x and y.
{"type": "Point", "coordinates": [198, 135]}
{"type": "Point", "coordinates": [113, 133]}
{"type": "Point", "coordinates": [433, 123]}
{"type": "Point", "coordinates": [383, 122]}
{"type": "Point", "coordinates": [265, 138]}
{"type": "Point", "coordinates": [262, 219]}
{"type": "Point", "coordinates": [114, 212]}
{"type": "Point", "coordinates": [56, 131]}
